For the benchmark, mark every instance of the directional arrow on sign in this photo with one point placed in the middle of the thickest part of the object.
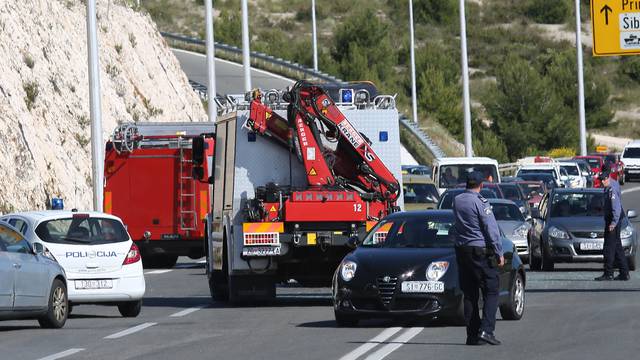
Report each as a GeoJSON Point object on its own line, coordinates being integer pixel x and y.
{"type": "Point", "coordinates": [606, 9]}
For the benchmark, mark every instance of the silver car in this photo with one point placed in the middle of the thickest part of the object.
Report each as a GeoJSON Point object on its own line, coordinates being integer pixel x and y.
{"type": "Point", "coordinates": [513, 224]}
{"type": "Point", "coordinates": [32, 285]}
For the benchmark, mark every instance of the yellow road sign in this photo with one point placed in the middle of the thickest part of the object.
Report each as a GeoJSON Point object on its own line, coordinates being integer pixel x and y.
{"type": "Point", "coordinates": [616, 27]}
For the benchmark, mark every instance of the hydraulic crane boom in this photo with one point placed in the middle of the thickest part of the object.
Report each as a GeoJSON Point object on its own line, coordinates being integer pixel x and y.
{"type": "Point", "coordinates": [344, 159]}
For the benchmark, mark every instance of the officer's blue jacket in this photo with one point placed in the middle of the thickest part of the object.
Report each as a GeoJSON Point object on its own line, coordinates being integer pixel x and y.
{"type": "Point", "coordinates": [475, 223]}
{"type": "Point", "coordinates": [615, 199]}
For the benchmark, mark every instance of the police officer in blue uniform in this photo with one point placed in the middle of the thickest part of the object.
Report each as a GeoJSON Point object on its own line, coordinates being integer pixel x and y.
{"type": "Point", "coordinates": [478, 254]}
{"type": "Point", "coordinates": [613, 217]}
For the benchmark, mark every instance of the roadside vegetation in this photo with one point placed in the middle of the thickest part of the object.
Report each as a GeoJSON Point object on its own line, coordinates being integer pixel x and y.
{"type": "Point", "coordinates": [521, 55]}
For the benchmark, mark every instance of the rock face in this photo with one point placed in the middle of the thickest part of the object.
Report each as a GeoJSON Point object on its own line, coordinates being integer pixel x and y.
{"type": "Point", "coordinates": [44, 94]}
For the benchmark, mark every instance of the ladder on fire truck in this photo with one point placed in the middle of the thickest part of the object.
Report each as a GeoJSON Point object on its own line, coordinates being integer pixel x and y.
{"type": "Point", "coordinates": [186, 189]}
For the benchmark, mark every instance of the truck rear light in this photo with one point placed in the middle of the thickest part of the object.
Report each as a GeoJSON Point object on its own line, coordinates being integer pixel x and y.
{"type": "Point", "coordinates": [133, 256]}
{"type": "Point", "coordinates": [261, 239]}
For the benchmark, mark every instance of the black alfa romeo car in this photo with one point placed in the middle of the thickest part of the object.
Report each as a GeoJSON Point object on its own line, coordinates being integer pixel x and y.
{"type": "Point", "coordinates": [406, 265]}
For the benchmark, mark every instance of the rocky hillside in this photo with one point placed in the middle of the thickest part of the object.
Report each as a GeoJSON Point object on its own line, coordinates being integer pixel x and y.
{"type": "Point", "coordinates": [44, 94]}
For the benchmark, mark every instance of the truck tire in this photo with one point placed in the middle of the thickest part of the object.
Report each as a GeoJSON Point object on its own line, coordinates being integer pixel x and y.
{"type": "Point", "coordinates": [218, 286]}
{"type": "Point", "coordinates": [58, 309]}
{"type": "Point", "coordinates": [130, 309]}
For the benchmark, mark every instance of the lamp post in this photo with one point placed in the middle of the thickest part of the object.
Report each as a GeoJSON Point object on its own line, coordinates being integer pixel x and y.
{"type": "Point", "coordinates": [314, 34]}
{"type": "Point", "coordinates": [414, 100]}
{"type": "Point", "coordinates": [246, 59]}
{"type": "Point", "coordinates": [581, 113]}
{"type": "Point", "coordinates": [466, 102]}
{"type": "Point", "coordinates": [212, 110]}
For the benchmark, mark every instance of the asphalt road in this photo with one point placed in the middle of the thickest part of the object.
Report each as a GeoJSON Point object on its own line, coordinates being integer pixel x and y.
{"type": "Point", "coordinates": [567, 316]}
{"type": "Point", "coordinates": [229, 75]}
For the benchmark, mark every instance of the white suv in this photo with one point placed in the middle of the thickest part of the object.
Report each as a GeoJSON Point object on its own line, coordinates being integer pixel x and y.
{"type": "Point", "coordinates": [102, 263]}
{"type": "Point", "coordinates": [631, 160]}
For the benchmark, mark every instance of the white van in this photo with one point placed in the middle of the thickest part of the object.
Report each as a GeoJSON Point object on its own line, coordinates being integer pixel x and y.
{"type": "Point", "coordinates": [449, 172]}
{"type": "Point", "coordinates": [631, 160]}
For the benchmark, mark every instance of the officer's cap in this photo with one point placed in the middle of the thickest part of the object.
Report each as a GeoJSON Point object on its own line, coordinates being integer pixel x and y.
{"type": "Point", "coordinates": [474, 179]}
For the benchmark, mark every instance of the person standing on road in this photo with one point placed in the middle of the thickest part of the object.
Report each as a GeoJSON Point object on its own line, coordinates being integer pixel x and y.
{"type": "Point", "coordinates": [613, 217]}
{"type": "Point", "coordinates": [478, 254]}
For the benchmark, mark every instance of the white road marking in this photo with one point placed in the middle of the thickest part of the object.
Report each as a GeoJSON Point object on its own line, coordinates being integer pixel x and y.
{"type": "Point", "coordinates": [631, 190]}
{"type": "Point", "coordinates": [364, 348]}
{"type": "Point", "coordinates": [130, 331]}
{"type": "Point", "coordinates": [158, 272]}
{"type": "Point", "coordinates": [186, 312]}
{"type": "Point", "coordinates": [395, 344]}
{"type": "Point", "coordinates": [61, 354]}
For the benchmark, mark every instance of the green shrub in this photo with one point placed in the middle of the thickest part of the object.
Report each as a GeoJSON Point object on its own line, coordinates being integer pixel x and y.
{"type": "Point", "coordinates": [548, 12]}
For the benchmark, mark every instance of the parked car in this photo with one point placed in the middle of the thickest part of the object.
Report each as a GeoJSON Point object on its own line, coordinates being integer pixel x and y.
{"type": "Point", "coordinates": [102, 263]}
{"type": "Point", "coordinates": [533, 190]}
{"type": "Point", "coordinates": [420, 193]}
{"type": "Point", "coordinates": [631, 159]}
{"type": "Point", "coordinates": [569, 227]}
{"type": "Point", "coordinates": [576, 180]}
{"type": "Point", "coordinates": [446, 200]}
{"type": "Point", "coordinates": [32, 285]}
{"type": "Point", "coordinates": [406, 265]}
{"type": "Point", "coordinates": [513, 192]}
{"type": "Point", "coordinates": [513, 224]}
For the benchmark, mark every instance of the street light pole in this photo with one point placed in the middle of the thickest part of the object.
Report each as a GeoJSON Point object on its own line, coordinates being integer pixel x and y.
{"type": "Point", "coordinates": [212, 110]}
{"type": "Point", "coordinates": [246, 60]}
{"type": "Point", "coordinates": [468, 149]}
{"type": "Point", "coordinates": [414, 100]}
{"type": "Point", "coordinates": [95, 107]}
{"type": "Point", "coordinates": [314, 34]}
{"type": "Point", "coordinates": [581, 112]}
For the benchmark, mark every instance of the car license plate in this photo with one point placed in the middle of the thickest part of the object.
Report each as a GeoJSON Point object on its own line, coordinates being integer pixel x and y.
{"type": "Point", "coordinates": [93, 284]}
{"type": "Point", "coordinates": [261, 251]}
{"type": "Point", "coordinates": [423, 287]}
{"type": "Point", "coordinates": [591, 246]}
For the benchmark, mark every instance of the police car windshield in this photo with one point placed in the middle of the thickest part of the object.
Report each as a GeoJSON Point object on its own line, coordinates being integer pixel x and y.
{"type": "Point", "coordinates": [446, 203]}
{"type": "Point", "coordinates": [577, 204]}
{"type": "Point", "coordinates": [420, 193]}
{"type": "Point", "coordinates": [507, 212]}
{"type": "Point", "coordinates": [82, 231]}
{"type": "Point", "coordinates": [411, 233]}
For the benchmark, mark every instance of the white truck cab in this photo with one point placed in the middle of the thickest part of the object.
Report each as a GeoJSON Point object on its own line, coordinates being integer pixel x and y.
{"type": "Point", "coordinates": [449, 172]}
{"type": "Point", "coordinates": [631, 159]}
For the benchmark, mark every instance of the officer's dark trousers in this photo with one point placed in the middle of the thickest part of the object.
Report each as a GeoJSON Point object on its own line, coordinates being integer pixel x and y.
{"type": "Point", "coordinates": [613, 252]}
{"type": "Point", "coordinates": [476, 272]}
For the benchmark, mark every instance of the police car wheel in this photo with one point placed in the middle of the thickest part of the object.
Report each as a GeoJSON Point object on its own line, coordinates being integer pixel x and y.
{"type": "Point", "coordinates": [130, 308]}
{"type": "Point", "coordinates": [58, 309]}
{"type": "Point", "coordinates": [346, 320]}
{"type": "Point", "coordinates": [513, 309]}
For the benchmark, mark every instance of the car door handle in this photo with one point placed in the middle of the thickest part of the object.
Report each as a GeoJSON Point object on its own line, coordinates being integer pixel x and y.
{"type": "Point", "coordinates": [17, 266]}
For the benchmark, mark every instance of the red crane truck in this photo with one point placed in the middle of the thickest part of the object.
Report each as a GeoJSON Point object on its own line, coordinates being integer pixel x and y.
{"type": "Point", "coordinates": [150, 185]}
{"type": "Point", "coordinates": [296, 181]}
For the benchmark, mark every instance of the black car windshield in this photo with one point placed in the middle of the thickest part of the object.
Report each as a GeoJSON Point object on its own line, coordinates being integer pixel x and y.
{"type": "Point", "coordinates": [632, 153]}
{"type": "Point", "coordinates": [511, 192]}
{"type": "Point", "coordinates": [82, 230]}
{"type": "Point", "coordinates": [420, 193]}
{"type": "Point", "coordinates": [446, 203]}
{"type": "Point", "coordinates": [414, 232]}
{"type": "Point", "coordinates": [507, 212]}
{"type": "Point", "coordinates": [551, 172]}
{"type": "Point", "coordinates": [577, 204]}
{"type": "Point", "coordinates": [452, 175]}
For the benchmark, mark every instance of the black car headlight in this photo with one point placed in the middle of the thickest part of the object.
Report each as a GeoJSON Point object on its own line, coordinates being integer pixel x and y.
{"type": "Point", "coordinates": [436, 270]}
{"type": "Point", "coordinates": [348, 270]}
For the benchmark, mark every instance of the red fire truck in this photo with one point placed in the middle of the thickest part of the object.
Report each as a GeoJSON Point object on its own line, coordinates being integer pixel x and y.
{"type": "Point", "coordinates": [150, 184]}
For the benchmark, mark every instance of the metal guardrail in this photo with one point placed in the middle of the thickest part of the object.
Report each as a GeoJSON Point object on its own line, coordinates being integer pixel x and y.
{"type": "Point", "coordinates": [256, 57]}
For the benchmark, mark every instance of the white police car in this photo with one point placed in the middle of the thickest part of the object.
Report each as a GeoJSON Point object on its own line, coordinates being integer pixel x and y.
{"type": "Point", "coordinates": [102, 263]}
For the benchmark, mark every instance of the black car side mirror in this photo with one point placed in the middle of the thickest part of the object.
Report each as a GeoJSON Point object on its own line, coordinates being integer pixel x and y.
{"type": "Point", "coordinates": [352, 242]}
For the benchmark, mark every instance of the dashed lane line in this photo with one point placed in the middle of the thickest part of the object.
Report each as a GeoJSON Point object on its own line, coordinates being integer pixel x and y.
{"type": "Point", "coordinates": [62, 354]}
{"type": "Point", "coordinates": [395, 344]}
{"type": "Point", "coordinates": [186, 312]}
{"type": "Point", "coordinates": [130, 331]}
{"type": "Point", "coordinates": [158, 272]}
{"type": "Point", "coordinates": [364, 348]}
